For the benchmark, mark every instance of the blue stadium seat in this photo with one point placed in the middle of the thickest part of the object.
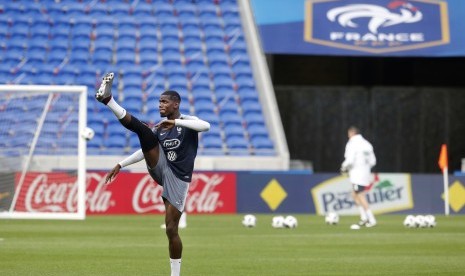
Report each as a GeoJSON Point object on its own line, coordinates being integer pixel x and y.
{"type": "Point", "coordinates": [261, 142]}
{"type": "Point", "coordinates": [185, 9]}
{"type": "Point", "coordinates": [204, 105]}
{"type": "Point", "coordinates": [247, 93]}
{"type": "Point", "coordinates": [40, 32]}
{"type": "Point", "coordinates": [60, 33]}
{"type": "Point", "coordinates": [142, 9]}
{"type": "Point", "coordinates": [236, 142]}
{"type": "Point", "coordinates": [126, 59]}
{"type": "Point", "coordinates": [119, 9]}
{"type": "Point", "coordinates": [230, 118]}
{"type": "Point", "coordinates": [147, 22]}
{"type": "Point", "coordinates": [35, 57]}
{"type": "Point", "coordinates": [207, 9]}
{"type": "Point", "coordinates": [99, 9]}
{"type": "Point", "coordinates": [163, 10]}
{"type": "Point", "coordinates": [228, 105]}
{"type": "Point", "coordinates": [104, 21]}
{"type": "Point", "coordinates": [224, 93]}
{"type": "Point", "coordinates": [104, 31]}
{"type": "Point", "coordinates": [83, 21]}
{"type": "Point", "coordinates": [234, 130]}
{"type": "Point", "coordinates": [254, 118]}
{"type": "Point", "coordinates": [212, 142]}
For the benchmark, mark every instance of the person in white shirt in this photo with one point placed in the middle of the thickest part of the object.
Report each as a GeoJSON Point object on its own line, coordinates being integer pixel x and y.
{"type": "Point", "coordinates": [359, 159]}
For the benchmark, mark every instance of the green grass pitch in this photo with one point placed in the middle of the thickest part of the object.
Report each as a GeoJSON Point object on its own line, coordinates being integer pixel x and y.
{"type": "Point", "coordinates": [220, 245]}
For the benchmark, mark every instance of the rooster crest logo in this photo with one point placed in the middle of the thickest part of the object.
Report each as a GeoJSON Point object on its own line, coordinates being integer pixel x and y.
{"type": "Point", "coordinates": [397, 12]}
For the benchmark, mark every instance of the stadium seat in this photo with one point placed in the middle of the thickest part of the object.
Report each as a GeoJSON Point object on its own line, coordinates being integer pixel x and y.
{"type": "Point", "coordinates": [233, 130]}
{"type": "Point", "coordinates": [212, 142]}
{"type": "Point", "coordinates": [261, 142]}
{"type": "Point", "coordinates": [237, 142]}
{"type": "Point", "coordinates": [142, 9]}
{"type": "Point", "coordinates": [163, 10]}
{"type": "Point", "coordinates": [257, 130]}
{"type": "Point", "coordinates": [99, 9]}
{"type": "Point", "coordinates": [119, 9]}
{"type": "Point", "coordinates": [230, 118]}
{"type": "Point", "coordinates": [207, 9]}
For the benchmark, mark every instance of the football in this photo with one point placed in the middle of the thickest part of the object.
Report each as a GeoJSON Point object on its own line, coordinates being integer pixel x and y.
{"type": "Point", "coordinates": [332, 218]}
{"type": "Point", "coordinates": [409, 221]}
{"type": "Point", "coordinates": [420, 221]}
{"type": "Point", "coordinates": [430, 221]}
{"type": "Point", "coordinates": [87, 133]}
{"type": "Point", "coordinates": [249, 220]}
{"type": "Point", "coordinates": [277, 222]}
{"type": "Point", "coordinates": [290, 222]}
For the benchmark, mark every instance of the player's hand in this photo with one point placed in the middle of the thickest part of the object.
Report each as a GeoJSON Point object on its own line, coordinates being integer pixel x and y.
{"type": "Point", "coordinates": [112, 174]}
{"type": "Point", "coordinates": [165, 124]}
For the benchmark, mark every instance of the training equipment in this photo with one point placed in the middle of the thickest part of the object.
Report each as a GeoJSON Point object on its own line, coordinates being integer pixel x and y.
{"type": "Point", "coordinates": [42, 157]}
{"type": "Point", "coordinates": [277, 222]}
{"type": "Point", "coordinates": [355, 227]}
{"type": "Point", "coordinates": [88, 133]}
{"type": "Point", "coordinates": [409, 221]}
{"type": "Point", "coordinates": [290, 222]}
{"type": "Point", "coordinates": [332, 218]}
{"type": "Point", "coordinates": [420, 221]}
{"type": "Point", "coordinates": [430, 221]}
{"type": "Point", "coordinates": [249, 220]}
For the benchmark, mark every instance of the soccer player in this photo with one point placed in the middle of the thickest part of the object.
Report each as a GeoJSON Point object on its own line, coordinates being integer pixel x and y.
{"type": "Point", "coordinates": [359, 159]}
{"type": "Point", "coordinates": [169, 151]}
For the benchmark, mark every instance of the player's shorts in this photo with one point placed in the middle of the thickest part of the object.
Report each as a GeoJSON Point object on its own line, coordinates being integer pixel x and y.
{"type": "Point", "coordinates": [358, 188]}
{"type": "Point", "coordinates": [174, 189]}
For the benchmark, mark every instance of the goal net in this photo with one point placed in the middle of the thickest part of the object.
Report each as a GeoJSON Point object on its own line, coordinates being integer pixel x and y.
{"type": "Point", "coordinates": [42, 156]}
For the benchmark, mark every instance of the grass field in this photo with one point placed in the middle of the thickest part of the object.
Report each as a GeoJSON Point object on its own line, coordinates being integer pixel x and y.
{"type": "Point", "coordinates": [220, 245]}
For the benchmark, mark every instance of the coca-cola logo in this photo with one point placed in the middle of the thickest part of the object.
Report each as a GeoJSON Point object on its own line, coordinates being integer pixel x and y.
{"type": "Point", "coordinates": [147, 196]}
{"type": "Point", "coordinates": [45, 195]}
{"type": "Point", "coordinates": [202, 197]}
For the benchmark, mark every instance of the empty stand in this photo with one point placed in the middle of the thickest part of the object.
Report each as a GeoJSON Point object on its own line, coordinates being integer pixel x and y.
{"type": "Point", "coordinates": [194, 47]}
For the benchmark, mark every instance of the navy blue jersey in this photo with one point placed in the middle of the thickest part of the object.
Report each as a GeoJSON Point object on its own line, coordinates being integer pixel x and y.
{"type": "Point", "coordinates": [180, 146]}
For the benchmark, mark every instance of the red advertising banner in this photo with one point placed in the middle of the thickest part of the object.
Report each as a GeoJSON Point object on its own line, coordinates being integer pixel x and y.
{"type": "Point", "coordinates": [129, 193]}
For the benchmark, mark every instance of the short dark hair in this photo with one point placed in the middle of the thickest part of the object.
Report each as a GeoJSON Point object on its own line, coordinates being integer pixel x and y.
{"type": "Point", "coordinates": [174, 96]}
{"type": "Point", "coordinates": [354, 129]}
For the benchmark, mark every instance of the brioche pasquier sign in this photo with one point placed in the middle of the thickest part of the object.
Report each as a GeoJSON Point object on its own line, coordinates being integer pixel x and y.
{"type": "Point", "coordinates": [129, 193]}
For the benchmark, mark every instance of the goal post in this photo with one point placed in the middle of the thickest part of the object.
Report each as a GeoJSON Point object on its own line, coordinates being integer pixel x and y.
{"type": "Point", "coordinates": [42, 154]}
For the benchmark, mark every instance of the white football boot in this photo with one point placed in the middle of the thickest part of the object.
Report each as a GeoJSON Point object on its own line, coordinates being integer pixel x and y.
{"type": "Point", "coordinates": [103, 94]}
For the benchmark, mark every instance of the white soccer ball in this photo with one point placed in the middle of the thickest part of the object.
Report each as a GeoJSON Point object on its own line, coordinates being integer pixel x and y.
{"type": "Point", "coordinates": [277, 222]}
{"type": "Point", "coordinates": [290, 222]}
{"type": "Point", "coordinates": [430, 221]}
{"type": "Point", "coordinates": [88, 133]}
{"type": "Point", "coordinates": [420, 221]}
{"type": "Point", "coordinates": [249, 220]}
{"type": "Point", "coordinates": [410, 221]}
{"type": "Point", "coordinates": [332, 218]}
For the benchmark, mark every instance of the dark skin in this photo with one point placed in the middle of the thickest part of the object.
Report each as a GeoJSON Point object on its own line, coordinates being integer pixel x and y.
{"type": "Point", "coordinates": [169, 108]}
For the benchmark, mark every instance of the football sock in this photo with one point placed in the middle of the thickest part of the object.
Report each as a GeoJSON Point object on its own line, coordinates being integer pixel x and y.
{"type": "Point", "coordinates": [371, 217]}
{"type": "Point", "coordinates": [148, 140]}
{"type": "Point", "coordinates": [363, 215]}
{"type": "Point", "coordinates": [119, 111]}
{"type": "Point", "coordinates": [175, 267]}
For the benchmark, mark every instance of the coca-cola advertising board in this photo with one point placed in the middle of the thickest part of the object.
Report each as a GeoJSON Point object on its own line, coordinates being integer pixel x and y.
{"type": "Point", "coordinates": [129, 193]}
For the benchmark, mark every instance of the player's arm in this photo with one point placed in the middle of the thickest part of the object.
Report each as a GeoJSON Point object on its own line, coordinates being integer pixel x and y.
{"type": "Point", "coordinates": [349, 157]}
{"type": "Point", "coordinates": [191, 122]}
{"type": "Point", "coordinates": [131, 159]}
